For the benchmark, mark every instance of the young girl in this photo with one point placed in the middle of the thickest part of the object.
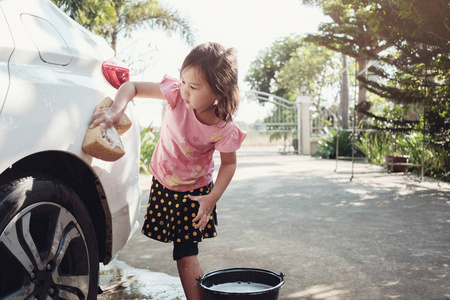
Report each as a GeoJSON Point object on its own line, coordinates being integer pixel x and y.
{"type": "Point", "coordinates": [198, 121]}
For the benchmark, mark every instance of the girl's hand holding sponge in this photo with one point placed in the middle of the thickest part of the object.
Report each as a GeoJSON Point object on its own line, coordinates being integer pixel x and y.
{"type": "Point", "coordinates": [102, 139]}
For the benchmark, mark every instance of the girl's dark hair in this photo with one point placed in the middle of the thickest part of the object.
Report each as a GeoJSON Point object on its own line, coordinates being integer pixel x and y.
{"type": "Point", "coordinates": [220, 70]}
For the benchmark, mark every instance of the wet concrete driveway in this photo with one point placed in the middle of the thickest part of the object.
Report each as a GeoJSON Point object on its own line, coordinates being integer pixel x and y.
{"type": "Point", "coordinates": [379, 236]}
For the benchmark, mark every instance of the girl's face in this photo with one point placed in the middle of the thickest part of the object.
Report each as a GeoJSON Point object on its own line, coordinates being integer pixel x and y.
{"type": "Point", "coordinates": [195, 91]}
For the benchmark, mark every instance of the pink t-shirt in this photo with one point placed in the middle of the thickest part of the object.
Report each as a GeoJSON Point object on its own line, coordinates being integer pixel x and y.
{"type": "Point", "coordinates": [183, 157]}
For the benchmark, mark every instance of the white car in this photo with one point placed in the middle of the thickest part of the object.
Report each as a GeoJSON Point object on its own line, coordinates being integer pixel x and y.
{"type": "Point", "coordinates": [62, 212]}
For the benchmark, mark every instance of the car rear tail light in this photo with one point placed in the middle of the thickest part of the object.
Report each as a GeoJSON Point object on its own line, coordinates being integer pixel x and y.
{"type": "Point", "coordinates": [115, 72]}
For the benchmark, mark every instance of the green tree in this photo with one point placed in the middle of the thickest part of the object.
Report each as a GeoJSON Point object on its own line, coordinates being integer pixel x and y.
{"type": "Point", "coordinates": [314, 68]}
{"type": "Point", "coordinates": [290, 64]}
{"type": "Point", "coordinates": [351, 34]}
{"type": "Point", "coordinates": [420, 33]}
{"type": "Point", "coordinates": [414, 69]}
{"type": "Point", "coordinates": [109, 18]}
{"type": "Point", "coordinates": [262, 73]}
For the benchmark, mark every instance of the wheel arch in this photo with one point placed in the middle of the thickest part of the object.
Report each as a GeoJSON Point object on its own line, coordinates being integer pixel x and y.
{"type": "Point", "coordinates": [81, 178]}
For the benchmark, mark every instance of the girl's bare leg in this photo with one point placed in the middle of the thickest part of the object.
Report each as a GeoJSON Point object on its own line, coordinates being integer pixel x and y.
{"type": "Point", "coordinates": [189, 270]}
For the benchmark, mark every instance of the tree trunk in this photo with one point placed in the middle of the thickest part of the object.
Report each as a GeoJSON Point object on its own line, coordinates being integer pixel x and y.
{"type": "Point", "coordinates": [363, 104]}
{"type": "Point", "coordinates": [114, 40]}
{"type": "Point", "coordinates": [344, 93]}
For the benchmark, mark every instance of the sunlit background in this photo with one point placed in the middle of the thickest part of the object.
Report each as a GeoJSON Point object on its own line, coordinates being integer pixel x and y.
{"type": "Point", "coordinates": [250, 26]}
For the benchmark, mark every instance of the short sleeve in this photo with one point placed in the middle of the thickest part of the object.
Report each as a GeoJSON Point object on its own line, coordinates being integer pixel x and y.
{"type": "Point", "coordinates": [232, 141]}
{"type": "Point", "coordinates": [170, 88]}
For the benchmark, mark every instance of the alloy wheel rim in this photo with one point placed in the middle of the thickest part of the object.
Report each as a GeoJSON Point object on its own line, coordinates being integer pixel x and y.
{"type": "Point", "coordinates": [45, 244]}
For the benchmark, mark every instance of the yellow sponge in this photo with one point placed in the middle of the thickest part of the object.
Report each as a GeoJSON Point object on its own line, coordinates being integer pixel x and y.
{"type": "Point", "coordinates": [105, 143]}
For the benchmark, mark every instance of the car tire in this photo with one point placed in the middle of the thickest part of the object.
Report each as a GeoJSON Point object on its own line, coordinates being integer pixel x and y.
{"type": "Point", "coordinates": [48, 246]}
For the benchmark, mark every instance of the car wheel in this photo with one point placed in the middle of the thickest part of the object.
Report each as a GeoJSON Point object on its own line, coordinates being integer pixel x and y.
{"type": "Point", "coordinates": [48, 247]}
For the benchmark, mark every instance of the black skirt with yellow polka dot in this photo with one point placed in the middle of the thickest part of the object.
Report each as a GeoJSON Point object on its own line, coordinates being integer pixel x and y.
{"type": "Point", "coordinates": [169, 215]}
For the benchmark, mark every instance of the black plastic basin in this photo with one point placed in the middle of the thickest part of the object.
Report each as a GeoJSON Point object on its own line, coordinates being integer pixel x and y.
{"type": "Point", "coordinates": [241, 284]}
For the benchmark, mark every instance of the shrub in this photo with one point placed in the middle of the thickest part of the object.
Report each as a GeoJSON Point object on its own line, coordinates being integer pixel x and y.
{"type": "Point", "coordinates": [328, 141]}
{"type": "Point", "coordinates": [436, 160]}
{"type": "Point", "coordinates": [375, 145]}
{"type": "Point", "coordinates": [149, 138]}
{"type": "Point", "coordinates": [438, 164]}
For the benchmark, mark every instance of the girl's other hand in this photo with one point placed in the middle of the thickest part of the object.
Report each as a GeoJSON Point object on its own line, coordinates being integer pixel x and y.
{"type": "Point", "coordinates": [206, 206]}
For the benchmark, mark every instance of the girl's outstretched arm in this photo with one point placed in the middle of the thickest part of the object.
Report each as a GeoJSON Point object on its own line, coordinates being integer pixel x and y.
{"type": "Point", "coordinates": [207, 202]}
{"type": "Point", "coordinates": [126, 93]}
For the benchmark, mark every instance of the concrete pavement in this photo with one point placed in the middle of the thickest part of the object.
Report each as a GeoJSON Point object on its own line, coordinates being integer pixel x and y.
{"type": "Point", "coordinates": [379, 236]}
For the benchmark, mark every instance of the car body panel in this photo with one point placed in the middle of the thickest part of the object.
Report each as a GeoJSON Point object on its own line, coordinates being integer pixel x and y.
{"type": "Point", "coordinates": [52, 48]}
{"type": "Point", "coordinates": [52, 93]}
{"type": "Point", "coordinates": [6, 48]}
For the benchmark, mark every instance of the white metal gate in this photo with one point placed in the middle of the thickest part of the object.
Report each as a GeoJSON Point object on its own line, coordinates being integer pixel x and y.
{"type": "Point", "coordinates": [276, 130]}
